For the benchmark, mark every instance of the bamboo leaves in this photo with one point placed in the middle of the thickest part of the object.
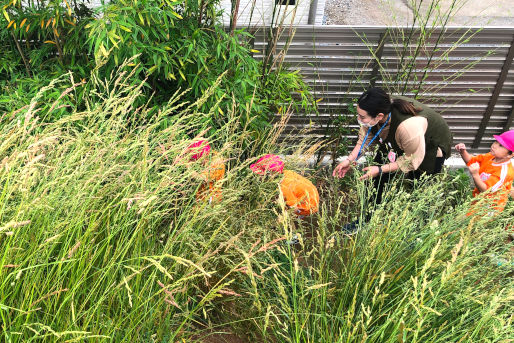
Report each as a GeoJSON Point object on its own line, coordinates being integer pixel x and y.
{"type": "Point", "coordinates": [52, 24]}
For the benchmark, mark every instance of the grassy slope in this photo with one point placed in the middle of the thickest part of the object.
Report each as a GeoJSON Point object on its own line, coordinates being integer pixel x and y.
{"type": "Point", "coordinates": [101, 238]}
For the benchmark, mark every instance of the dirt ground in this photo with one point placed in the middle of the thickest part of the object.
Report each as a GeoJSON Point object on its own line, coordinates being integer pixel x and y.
{"type": "Point", "coordinates": [222, 338]}
{"type": "Point", "coordinates": [401, 12]}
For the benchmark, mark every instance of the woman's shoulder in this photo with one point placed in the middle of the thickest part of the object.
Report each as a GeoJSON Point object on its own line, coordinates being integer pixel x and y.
{"type": "Point", "coordinates": [417, 103]}
{"type": "Point", "coordinates": [414, 121]}
{"type": "Point", "coordinates": [412, 126]}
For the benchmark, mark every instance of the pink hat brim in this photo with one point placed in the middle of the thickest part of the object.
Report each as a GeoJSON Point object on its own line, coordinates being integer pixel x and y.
{"type": "Point", "coordinates": [268, 164]}
{"type": "Point", "coordinates": [256, 169]}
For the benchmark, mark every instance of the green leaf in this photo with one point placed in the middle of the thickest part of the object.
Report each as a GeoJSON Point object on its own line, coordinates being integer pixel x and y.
{"type": "Point", "coordinates": [151, 70]}
{"type": "Point", "coordinates": [112, 40]}
{"type": "Point", "coordinates": [177, 15]}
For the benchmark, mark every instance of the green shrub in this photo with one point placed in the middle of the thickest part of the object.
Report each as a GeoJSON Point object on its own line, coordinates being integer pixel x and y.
{"type": "Point", "coordinates": [172, 46]}
{"type": "Point", "coordinates": [47, 36]}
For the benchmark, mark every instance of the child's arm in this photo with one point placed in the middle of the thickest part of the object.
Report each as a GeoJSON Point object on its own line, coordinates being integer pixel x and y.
{"type": "Point", "coordinates": [473, 169]}
{"type": "Point", "coordinates": [461, 148]}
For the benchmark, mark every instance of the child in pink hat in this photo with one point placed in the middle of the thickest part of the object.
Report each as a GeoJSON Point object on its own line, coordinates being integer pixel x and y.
{"type": "Point", "coordinates": [201, 152]}
{"type": "Point", "coordinates": [198, 149]}
{"type": "Point", "coordinates": [492, 172]}
{"type": "Point", "coordinates": [299, 193]}
{"type": "Point", "coordinates": [268, 163]}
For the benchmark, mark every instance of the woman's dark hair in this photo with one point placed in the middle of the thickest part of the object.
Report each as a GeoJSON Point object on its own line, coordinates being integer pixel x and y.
{"type": "Point", "coordinates": [376, 100]}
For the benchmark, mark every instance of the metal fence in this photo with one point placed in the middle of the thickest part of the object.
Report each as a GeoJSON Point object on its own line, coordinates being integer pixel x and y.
{"type": "Point", "coordinates": [464, 73]}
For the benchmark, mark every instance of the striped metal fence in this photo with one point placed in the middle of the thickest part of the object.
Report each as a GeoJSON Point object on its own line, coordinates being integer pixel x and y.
{"type": "Point", "coordinates": [464, 73]}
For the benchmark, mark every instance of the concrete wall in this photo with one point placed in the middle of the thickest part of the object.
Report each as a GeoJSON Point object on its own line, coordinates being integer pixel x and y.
{"type": "Point", "coordinates": [263, 10]}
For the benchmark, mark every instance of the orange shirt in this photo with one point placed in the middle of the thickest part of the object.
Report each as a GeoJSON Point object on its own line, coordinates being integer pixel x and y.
{"type": "Point", "coordinates": [214, 172]}
{"type": "Point", "coordinates": [497, 176]}
{"type": "Point", "coordinates": [299, 193]}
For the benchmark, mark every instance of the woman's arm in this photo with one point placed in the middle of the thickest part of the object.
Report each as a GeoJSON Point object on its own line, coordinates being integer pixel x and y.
{"type": "Point", "coordinates": [374, 171]}
{"type": "Point", "coordinates": [342, 168]}
{"type": "Point", "coordinates": [390, 167]}
{"type": "Point", "coordinates": [410, 137]}
{"type": "Point", "coordinates": [353, 155]}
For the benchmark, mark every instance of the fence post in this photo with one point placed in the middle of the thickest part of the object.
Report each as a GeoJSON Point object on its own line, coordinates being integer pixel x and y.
{"type": "Point", "coordinates": [378, 58]}
{"type": "Point", "coordinates": [313, 9]}
{"type": "Point", "coordinates": [494, 97]}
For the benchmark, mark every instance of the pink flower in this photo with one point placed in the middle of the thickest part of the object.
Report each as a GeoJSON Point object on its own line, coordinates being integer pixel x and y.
{"type": "Point", "coordinates": [272, 163]}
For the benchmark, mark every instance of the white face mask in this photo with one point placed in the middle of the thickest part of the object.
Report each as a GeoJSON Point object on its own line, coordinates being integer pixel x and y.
{"type": "Point", "coordinates": [366, 125]}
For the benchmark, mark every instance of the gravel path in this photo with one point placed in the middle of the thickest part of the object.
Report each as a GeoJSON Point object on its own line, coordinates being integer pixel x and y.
{"type": "Point", "coordinates": [399, 12]}
{"type": "Point", "coordinates": [365, 12]}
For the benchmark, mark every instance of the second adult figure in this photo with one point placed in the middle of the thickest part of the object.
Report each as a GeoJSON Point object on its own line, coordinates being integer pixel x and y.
{"type": "Point", "coordinates": [413, 138]}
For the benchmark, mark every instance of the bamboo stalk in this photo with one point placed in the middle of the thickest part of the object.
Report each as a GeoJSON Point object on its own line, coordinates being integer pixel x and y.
{"type": "Point", "coordinates": [233, 19]}
{"type": "Point", "coordinates": [25, 62]}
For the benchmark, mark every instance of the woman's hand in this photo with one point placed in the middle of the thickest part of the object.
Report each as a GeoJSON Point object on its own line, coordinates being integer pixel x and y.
{"type": "Point", "coordinates": [342, 168]}
{"type": "Point", "coordinates": [371, 172]}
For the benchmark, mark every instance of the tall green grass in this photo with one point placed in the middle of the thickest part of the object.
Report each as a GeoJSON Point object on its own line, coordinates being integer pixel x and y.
{"type": "Point", "coordinates": [101, 235]}
{"type": "Point", "coordinates": [101, 239]}
{"type": "Point", "coordinates": [419, 271]}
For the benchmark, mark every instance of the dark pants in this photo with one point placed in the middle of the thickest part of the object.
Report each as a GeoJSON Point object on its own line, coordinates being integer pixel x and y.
{"type": "Point", "coordinates": [381, 181]}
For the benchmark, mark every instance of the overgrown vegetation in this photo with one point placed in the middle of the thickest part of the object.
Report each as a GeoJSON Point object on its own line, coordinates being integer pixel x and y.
{"type": "Point", "coordinates": [102, 239]}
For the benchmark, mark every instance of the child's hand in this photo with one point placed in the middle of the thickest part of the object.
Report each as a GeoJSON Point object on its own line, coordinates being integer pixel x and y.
{"type": "Point", "coordinates": [460, 147]}
{"type": "Point", "coordinates": [474, 168]}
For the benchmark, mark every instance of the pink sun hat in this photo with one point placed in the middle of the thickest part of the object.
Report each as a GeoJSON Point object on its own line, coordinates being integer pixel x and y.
{"type": "Point", "coordinates": [506, 139]}
{"type": "Point", "coordinates": [269, 162]}
{"type": "Point", "coordinates": [198, 149]}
